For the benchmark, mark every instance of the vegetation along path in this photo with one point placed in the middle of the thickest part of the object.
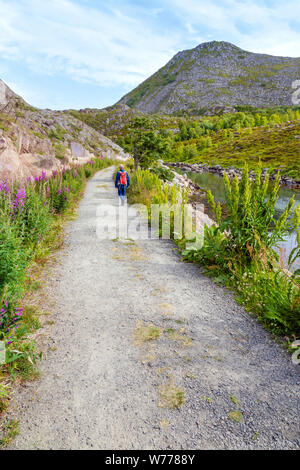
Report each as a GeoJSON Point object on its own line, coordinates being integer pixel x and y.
{"type": "Point", "coordinates": [146, 352]}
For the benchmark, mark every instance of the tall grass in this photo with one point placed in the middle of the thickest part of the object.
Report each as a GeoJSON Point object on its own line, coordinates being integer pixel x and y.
{"type": "Point", "coordinates": [147, 188]}
{"type": "Point", "coordinates": [239, 251]}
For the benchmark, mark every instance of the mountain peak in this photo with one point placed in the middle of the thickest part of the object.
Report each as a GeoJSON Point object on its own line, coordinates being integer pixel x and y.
{"type": "Point", "coordinates": [217, 45]}
{"type": "Point", "coordinates": [216, 73]}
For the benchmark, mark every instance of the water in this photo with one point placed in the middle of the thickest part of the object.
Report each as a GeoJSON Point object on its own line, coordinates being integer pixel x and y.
{"type": "Point", "coordinates": [215, 183]}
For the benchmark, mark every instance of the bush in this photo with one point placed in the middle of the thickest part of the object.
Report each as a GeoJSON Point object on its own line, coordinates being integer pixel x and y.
{"type": "Point", "coordinates": [249, 221]}
{"type": "Point", "coordinates": [239, 252]}
{"type": "Point", "coordinates": [163, 173]}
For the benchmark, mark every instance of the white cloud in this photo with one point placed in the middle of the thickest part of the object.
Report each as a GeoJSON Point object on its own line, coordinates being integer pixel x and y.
{"type": "Point", "coordinates": [254, 25]}
{"type": "Point", "coordinates": [104, 47]}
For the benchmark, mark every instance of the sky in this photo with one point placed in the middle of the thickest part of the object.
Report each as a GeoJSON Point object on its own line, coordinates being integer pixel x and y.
{"type": "Point", "coordinates": [63, 54]}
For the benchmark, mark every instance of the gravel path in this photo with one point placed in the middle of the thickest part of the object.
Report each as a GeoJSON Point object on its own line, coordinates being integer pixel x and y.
{"type": "Point", "coordinates": [102, 387]}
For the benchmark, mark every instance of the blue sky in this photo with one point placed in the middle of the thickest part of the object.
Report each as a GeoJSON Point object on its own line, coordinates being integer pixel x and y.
{"type": "Point", "coordinates": [88, 53]}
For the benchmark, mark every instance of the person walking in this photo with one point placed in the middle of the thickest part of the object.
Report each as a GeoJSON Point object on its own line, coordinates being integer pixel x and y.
{"type": "Point", "coordinates": [122, 182]}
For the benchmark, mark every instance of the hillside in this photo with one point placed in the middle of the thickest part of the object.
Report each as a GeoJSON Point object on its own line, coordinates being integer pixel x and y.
{"type": "Point", "coordinates": [114, 121]}
{"type": "Point", "coordinates": [109, 121]}
{"type": "Point", "coordinates": [216, 74]}
{"type": "Point", "coordinates": [275, 147]}
{"type": "Point", "coordinates": [32, 140]}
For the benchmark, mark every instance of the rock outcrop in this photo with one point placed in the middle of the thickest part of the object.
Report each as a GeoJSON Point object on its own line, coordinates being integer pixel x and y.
{"type": "Point", "coordinates": [34, 140]}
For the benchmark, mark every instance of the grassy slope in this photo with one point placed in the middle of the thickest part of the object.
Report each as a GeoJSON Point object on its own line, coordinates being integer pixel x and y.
{"type": "Point", "coordinates": [276, 148]}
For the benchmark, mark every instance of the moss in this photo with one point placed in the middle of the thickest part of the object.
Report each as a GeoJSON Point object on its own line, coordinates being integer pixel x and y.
{"type": "Point", "coordinates": [224, 75]}
{"type": "Point", "coordinates": [222, 91]}
{"type": "Point", "coordinates": [253, 74]}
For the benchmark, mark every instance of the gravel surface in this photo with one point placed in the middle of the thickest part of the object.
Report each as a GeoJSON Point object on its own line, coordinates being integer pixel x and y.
{"type": "Point", "coordinates": [102, 387]}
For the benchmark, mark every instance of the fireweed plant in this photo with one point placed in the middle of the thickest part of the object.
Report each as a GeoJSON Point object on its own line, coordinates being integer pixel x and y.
{"type": "Point", "coordinates": [28, 212]}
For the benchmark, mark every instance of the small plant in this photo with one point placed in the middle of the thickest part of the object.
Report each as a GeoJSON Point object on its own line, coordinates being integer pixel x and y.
{"type": "Point", "coordinates": [236, 416]}
{"type": "Point", "coordinates": [179, 337]}
{"type": "Point", "coordinates": [21, 357]}
{"type": "Point", "coordinates": [171, 396]}
{"type": "Point", "coordinates": [234, 399]}
{"type": "Point", "coordinates": [144, 333]}
{"type": "Point", "coordinates": [4, 395]}
{"type": "Point", "coordinates": [88, 172]}
{"type": "Point", "coordinates": [208, 399]}
{"type": "Point", "coordinates": [10, 431]}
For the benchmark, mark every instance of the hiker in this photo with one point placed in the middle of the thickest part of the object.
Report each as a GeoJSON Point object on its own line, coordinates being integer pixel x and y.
{"type": "Point", "coordinates": [122, 182]}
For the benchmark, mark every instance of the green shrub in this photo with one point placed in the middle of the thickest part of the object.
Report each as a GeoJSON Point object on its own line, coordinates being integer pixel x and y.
{"type": "Point", "coordinates": [88, 172]}
{"type": "Point", "coordinates": [239, 251]}
{"type": "Point", "coordinates": [163, 173]}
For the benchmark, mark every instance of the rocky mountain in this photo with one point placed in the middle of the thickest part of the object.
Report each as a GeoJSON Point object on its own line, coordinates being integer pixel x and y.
{"type": "Point", "coordinates": [216, 74]}
{"type": "Point", "coordinates": [32, 140]}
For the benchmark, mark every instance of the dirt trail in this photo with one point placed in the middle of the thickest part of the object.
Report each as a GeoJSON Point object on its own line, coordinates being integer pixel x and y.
{"type": "Point", "coordinates": [102, 387]}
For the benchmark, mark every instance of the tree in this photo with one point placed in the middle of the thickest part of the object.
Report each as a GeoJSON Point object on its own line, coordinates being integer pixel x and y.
{"type": "Point", "coordinates": [147, 144]}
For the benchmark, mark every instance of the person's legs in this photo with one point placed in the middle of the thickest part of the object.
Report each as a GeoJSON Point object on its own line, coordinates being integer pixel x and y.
{"type": "Point", "coordinates": [122, 192]}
